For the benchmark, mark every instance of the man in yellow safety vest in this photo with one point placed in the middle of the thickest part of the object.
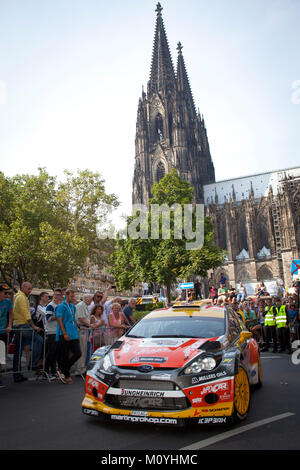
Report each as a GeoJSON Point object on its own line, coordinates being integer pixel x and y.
{"type": "Point", "coordinates": [282, 326]}
{"type": "Point", "coordinates": [270, 326]}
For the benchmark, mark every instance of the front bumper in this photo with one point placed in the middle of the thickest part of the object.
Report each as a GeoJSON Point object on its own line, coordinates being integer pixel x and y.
{"type": "Point", "coordinates": [100, 398]}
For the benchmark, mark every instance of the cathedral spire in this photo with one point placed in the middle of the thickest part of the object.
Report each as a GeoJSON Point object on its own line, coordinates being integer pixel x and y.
{"type": "Point", "coordinates": [183, 84]}
{"type": "Point", "coordinates": [162, 76]}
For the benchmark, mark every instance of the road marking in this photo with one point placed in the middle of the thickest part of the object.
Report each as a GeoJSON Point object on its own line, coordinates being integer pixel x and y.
{"type": "Point", "coordinates": [234, 432]}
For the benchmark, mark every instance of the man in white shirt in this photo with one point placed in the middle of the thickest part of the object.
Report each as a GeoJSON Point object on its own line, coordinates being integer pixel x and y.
{"type": "Point", "coordinates": [83, 321]}
{"type": "Point", "coordinates": [145, 288]}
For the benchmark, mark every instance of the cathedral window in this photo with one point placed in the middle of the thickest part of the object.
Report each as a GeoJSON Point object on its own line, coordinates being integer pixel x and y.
{"type": "Point", "coordinates": [170, 128]}
{"type": "Point", "coordinates": [160, 171]}
{"type": "Point", "coordinates": [264, 274]}
{"type": "Point", "coordinates": [263, 232]}
{"type": "Point", "coordinates": [159, 127]}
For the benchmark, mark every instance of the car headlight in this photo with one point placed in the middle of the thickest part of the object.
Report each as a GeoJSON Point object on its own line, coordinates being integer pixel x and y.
{"type": "Point", "coordinates": [200, 364]}
{"type": "Point", "coordinates": [106, 363]}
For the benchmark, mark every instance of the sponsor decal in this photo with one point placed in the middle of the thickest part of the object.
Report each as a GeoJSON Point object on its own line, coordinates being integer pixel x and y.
{"type": "Point", "coordinates": [172, 343]}
{"type": "Point", "coordinates": [225, 397]}
{"type": "Point", "coordinates": [197, 400]}
{"type": "Point", "coordinates": [158, 360]}
{"type": "Point", "coordinates": [215, 388]}
{"type": "Point", "coordinates": [142, 393]}
{"type": "Point", "coordinates": [87, 411]}
{"type": "Point", "coordinates": [93, 382]}
{"type": "Point", "coordinates": [202, 378]}
{"type": "Point", "coordinates": [228, 360]}
{"type": "Point", "coordinates": [100, 375]}
{"type": "Point", "coordinates": [192, 347]}
{"type": "Point", "coordinates": [213, 420]}
{"type": "Point", "coordinates": [160, 377]}
{"type": "Point", "coordinates": [144, 419]}
{"type": "Point", "coordinates": [139, 413]}
{"type": "Point", "coordinates": [142, 402]}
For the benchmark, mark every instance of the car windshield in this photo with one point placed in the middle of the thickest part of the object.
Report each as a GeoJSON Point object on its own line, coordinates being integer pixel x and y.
{"type": "Point", "coordinates": [179, 327]}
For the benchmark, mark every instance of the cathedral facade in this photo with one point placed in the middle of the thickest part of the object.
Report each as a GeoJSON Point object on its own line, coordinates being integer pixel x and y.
{"type": "Point", "coordinates": [256, 218]}
{"type": "Point", "coordinates": [169, 131]}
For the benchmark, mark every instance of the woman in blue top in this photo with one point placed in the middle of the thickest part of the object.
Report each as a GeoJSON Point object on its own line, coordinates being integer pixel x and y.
{"type": "Point", "coordinates": [67, 336]}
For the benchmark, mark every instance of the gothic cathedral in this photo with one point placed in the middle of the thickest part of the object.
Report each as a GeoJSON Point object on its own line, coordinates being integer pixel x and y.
{"type": "Point", "coordinates": [256, 218]}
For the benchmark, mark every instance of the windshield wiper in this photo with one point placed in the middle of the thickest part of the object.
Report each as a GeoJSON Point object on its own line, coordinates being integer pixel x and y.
{"type": "Point", "coordinates": [135, 336]}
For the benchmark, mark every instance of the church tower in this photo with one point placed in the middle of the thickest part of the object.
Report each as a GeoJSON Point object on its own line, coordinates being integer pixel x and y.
{"type": "Point", "coordinates": [169, 131]}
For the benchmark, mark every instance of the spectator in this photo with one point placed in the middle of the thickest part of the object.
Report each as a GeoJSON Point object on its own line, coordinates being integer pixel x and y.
{"type": "Point", "coordinates": [83, 322]}
{"type": "Point", "coordinates": [25, 332]}
{"type": "Point", "coordinates": [223, 279]}
{"type": "Point", "coordinates": [98, 325]}
{"type": "Point", "coordinates": [270, 326]}
{"type": "Point", "coordinates": [51, 345]}
{"type": "Point", "coordinates": [117, 321]}
{"type": "Point", "coordinates": [213, 294]}
{"type": "Point", "coordinates": [231, 294]}
{"type": "Point", "coordinates": [282, 326]}
{"type": "Point", "coordinates": [292, 319]}
{"type": "Point", "coordinates": [145, 288]}
{"type": "Point", "coordinates": [67, 336]}
{"type": "Point", "coordinates": [99, 298]}
{"type": "Point", "coordinates": [261, 318]}
{"type": "Point", "coordinates": [262, 290]}
{"type": "Point", "coordinates": [211, 281]}
{"type": "Point", "coordinates": [252, 323]}
{"type": "Point", "coordinates": [222, 293]}
{"type": "Point", "coordinates": [6, 316]}
{"type": "Point", "coordinates": [197, 289]}
{"type": "Point", "coordinates": [108, 307]}
{"type": "Point", "coordinates": [241, 292]}
{"type": "Point", "coordinates": [191, 295]}
{"type": "Point", "coordinates": [39, 316]}
{"type": "Point", "coordinates": [128, 311]}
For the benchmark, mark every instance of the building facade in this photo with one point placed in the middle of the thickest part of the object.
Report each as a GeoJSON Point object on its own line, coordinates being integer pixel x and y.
{"type": "Point", "coordinates": [256, 218]}
{"type": "Point", "coordinates": [257, 221]}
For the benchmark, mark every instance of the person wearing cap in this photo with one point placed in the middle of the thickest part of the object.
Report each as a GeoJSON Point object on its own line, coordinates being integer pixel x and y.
{"type": "Point", "coordinates": [6, 316]}
{"type": "Point", "coordinates": [26, 332]}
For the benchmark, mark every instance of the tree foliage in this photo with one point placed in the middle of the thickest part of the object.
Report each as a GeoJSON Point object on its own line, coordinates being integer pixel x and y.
{"type": "Point", "coordinates": [48, 229]}
{"type": "Point", "coordinates": [165, 260]}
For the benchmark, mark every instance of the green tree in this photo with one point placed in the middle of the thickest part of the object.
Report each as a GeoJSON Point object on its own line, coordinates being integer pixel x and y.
{"type": "Point", "coordinates": [48, 229]}
{"type": "Point", "coordinates": [165, 259]}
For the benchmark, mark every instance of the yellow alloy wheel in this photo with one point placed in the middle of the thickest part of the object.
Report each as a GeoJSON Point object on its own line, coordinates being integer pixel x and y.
{"type": "Point", "coordinates": [241, 394]}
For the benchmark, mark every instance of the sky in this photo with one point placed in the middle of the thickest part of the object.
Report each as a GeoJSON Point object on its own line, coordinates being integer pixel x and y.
{"type": "Point", "coordinates": [72, 71]}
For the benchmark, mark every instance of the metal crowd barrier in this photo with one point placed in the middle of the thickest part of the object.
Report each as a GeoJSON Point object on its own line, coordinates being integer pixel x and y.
{"type": "Point", "coordinates": [21, 342]}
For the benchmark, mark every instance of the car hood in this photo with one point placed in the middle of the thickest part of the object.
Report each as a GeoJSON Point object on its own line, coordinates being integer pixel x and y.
{"type": "Point", "coordinates": [159, 352]}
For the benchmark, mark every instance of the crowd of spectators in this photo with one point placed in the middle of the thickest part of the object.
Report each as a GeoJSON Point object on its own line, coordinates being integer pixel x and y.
{"type": "Point", "coordinates": [273, 319]}
{"type": "Point", "coordinates": [60, 333]}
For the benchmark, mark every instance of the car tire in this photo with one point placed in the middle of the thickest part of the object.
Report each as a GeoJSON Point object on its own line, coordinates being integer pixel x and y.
{"type": "Point", "coordinates": [242, 395]}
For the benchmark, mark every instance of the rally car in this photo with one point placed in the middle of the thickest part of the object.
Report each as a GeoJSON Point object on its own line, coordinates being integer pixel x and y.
{"type": "Point", "coordinates": [190, 363]}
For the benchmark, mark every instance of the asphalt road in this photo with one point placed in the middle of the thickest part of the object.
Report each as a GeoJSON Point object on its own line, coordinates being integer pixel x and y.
{"type": "Point", "coordinates": [47, 416]}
